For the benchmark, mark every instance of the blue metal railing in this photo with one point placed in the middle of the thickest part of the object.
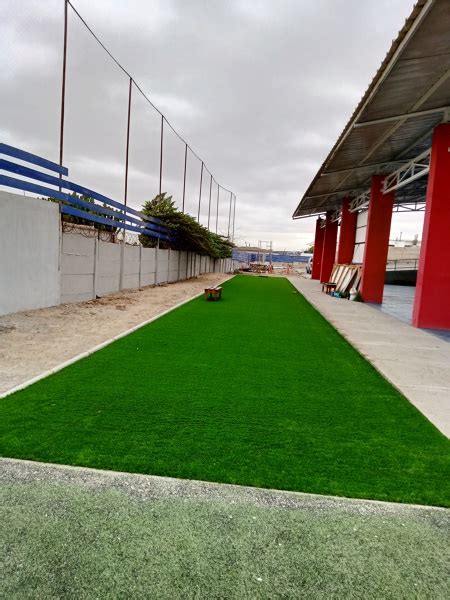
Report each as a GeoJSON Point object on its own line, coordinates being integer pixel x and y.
{"type": "Point", "coordinates": [124, 217]}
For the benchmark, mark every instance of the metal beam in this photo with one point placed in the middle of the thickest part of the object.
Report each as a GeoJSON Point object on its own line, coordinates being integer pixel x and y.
{"type": "Point", "coordinates": [414, 169]}
{"type": "Point", "coordinates": [373, 165]}
{"type": "Point", "coordinates": [334, 193]}
{"type": "Point", "coordinates": [400, 122]}
{"type": "Point", "coordinates": [336, 215]}
{"type": "Point", "coordinates": [360, 202]}
{"type": "Point", "coordinates": [404, 116]}
{"type": "Point", "coordinates": [308, 216]}
{"type": "Point", "coordinates": [415, 207]}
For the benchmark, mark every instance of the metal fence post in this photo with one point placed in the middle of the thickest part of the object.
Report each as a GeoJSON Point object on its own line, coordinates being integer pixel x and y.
{"type": "Point", "coordinates": [229, 215]}
{"type": "Point", "coordinates": [161, 154]}
{"type": "Point", "coordinates": [63, 87]}
{"type": "Point", "coordinates": [127, 148]}
{"type": "Point", "coordinates": [184, 175]}
{"type": "Point", "coordinates": [234, 217]}
{"type": "Point", "coordinates": [217, 207]}
{"type": "Point", "coordinates": [209, 204]}
{"type": "Point", "coordinates": [200, 193]}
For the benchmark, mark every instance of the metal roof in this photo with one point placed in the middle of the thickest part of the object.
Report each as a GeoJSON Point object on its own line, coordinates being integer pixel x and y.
{"type": "Point", "coordinates": [394, 121]}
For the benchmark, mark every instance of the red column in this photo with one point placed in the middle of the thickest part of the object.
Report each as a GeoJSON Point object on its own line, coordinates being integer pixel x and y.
{"type": "Point", "coordinates": [432, 299]}
{"type": "Point", "coordinates": [329, 248]}
{"type": "Point", "coordinates": [377, 242]}
{"type": "Point", "coordinates": [318, 248]}
{"type": "Point", "coordinates": [347, 234]}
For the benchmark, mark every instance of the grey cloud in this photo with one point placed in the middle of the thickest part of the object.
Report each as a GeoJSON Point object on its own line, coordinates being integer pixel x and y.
{"type": "Point", "coordinates": [260, 89]}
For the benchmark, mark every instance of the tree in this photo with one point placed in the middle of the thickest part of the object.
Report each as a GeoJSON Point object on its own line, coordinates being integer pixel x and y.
{"type": "Point", "coordinates": [188, 234]}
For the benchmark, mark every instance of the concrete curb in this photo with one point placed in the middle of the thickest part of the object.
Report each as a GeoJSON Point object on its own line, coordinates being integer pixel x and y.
{"type": "Point", "coordinates": [172, 487]}
{"type": "Point", "coordinates": [78, 357]}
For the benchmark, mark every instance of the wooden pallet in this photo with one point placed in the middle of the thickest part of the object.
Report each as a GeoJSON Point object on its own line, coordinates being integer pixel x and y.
{"type": "Point", "coordinates": [346, 277]}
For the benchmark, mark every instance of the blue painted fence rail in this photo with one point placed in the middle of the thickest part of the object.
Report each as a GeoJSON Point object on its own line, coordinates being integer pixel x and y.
{"type": "Point", "coordinates": [249, 257]}
{"type": "Point", "coordinates": [124, 217]}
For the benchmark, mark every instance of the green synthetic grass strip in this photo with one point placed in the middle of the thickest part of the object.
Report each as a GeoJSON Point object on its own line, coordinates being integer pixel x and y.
{"type": "Point", "coordinates": [256, 389]}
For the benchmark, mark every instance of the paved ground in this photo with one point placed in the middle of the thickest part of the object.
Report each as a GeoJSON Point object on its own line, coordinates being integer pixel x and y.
{"type": "Point", "coordinates": [414, 361]}
{"type": "Point", "coordinates": [398, 301]}
{"type": "Point", "coordinates": [80, 533]}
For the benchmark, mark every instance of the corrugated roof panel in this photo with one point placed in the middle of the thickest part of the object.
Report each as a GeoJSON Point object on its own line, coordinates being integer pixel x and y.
{"type": "Point", "coordinates": [415, 66]}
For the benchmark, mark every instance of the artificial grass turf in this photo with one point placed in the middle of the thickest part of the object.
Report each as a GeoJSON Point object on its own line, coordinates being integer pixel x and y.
{"type": "Point", "coordinates": [256, 389]}
{"type": "Point", "coordinates": [86, 539]}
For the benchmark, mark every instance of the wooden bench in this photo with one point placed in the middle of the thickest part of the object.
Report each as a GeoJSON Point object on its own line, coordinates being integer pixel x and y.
{"type": "Point", "coordinates": [213, 293]}
{"type": "Point", "coordinates": [328, 287]}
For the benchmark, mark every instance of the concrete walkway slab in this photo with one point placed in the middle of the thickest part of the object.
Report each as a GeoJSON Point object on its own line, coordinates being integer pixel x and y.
{"type": "Point", "coordinates": [415, 362]}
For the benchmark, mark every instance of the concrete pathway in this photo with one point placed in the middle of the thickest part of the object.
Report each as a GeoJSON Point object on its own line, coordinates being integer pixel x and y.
{"type": "Point", "coordinates": [69, 532]}
{"type": "Point", "coordinates": [398, 301]}
{"type": "Point", "coordinates": [416, 362]}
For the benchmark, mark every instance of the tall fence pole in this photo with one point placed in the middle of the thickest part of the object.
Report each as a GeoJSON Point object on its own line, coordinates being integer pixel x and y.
{"type": "Point", "coordinates": [234, 217]}
{"type": "Point", "coordinates": [184, 176]}
{"type": "Point", "coordinates": [161, 155]}
{"type": "Point", "coordinates": [209, 205]}
{"type": "Point", "coordinates": [200, 193]}
{"type": "Point", "coordinates": [229, 214]}
{"type": "Point", "coordinates": [127, 151]}
{"type": "Point", "coordinates": [63, 87]}
{"type": "Point", "coordinates": [217, 207]}
{"type": "Point", "coordinates": [125, 194]}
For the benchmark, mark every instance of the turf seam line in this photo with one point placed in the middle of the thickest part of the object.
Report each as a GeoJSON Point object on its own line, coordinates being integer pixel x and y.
{"type": "Point", "coordinates": [94, 349]}
{"type": "Point", "coordinates": [211, 487]}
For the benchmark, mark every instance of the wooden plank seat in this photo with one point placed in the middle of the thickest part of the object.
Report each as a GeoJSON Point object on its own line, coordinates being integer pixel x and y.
{"type": "Point", "coordinates": [328, 287]}
{"type": "Point", "coordinates": [213, 293]}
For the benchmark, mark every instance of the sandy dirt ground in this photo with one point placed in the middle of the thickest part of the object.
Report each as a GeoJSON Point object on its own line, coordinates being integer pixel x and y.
{"type": "Point", "coordinates": [32, 342]}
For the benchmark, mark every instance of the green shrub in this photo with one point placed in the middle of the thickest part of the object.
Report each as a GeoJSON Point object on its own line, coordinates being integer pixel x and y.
{"type": "Point", "coordinates": [188, 234]}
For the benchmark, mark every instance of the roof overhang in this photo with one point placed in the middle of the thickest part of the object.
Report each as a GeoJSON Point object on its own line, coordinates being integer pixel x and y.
{"type": "Point", "coordinates": [394, 121]}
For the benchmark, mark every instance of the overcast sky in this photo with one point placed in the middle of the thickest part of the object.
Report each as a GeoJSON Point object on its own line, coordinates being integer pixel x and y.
{"type": "Point", "coordinates": [259, 88]}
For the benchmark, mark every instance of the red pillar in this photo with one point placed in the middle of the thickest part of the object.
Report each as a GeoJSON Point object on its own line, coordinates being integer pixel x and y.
{"type": "Point", "coordinates": [318, 248]}
{"type": "Point", "coordinates": [432, 299]}
{"type": "Point", "coordinates": [377, 242]}
{"type": "Point", "coordinates": [347, 234]}
{"type": "Point", "coordinates": [329, 248]}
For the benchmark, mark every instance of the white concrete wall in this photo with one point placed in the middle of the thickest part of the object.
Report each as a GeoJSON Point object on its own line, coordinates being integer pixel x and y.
{"type": "Point", "coordinates": [77, 267]}
{"type": "Point", "coordinates": [183, 265]}
{"type": "Point", "coordinates": [29, 253]}
{"type": "Point", "coordinates": [148, 266]}
{"type": "Point", "coordinates": [360, 240]}
{"type": "Point", "coordinates": [131, 267]}
{"type": "Point", "coordinates": [39, 266]}
{"type": "Point", "coordinates": [108, 268]}
{"type": "Point", "coordinates": [163, 266]}
{"type": "Point", "coordinates": [173, 266]}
